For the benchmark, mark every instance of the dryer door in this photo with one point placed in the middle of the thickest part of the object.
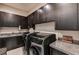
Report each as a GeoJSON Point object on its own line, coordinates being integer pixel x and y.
{"type": "Point", "coordinates": [35, 50]}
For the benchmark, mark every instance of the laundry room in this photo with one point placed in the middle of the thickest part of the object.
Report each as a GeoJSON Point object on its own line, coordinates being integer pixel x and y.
{"type": "Point", "coordinates": [39, 28]}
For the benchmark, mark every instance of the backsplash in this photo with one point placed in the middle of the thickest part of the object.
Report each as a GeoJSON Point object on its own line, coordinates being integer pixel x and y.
{"type": "Point", "coordinates": [50, 27]}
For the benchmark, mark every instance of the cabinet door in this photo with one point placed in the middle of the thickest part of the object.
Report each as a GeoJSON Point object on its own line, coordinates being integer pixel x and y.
{"type": "Point", "coordinates": [15, 20]}
{"type": "Point", "coordinates": [78, 16]}
{"type": "Point", "coordinates": [66, 16]}
{"type": "Point", "coordinates": [49, 12]}
{"type": "Point", "coordinates": [11, 43]}
{"type": "Point", "coordinates": [14, 42]}
{"type": "Point", "coordinates": [36, 17]}
{"type": "Point", "coordinates": [23, 22]}
{"type": "Point", "coordinates": [8, 20]}
{"type": "Point", "coordinates": [33, 18]}
{"type": "Point", "coordinates": [1, 21]}
{"type": "Point", "coordinates": [30, 20]}
{"type": "Point", "coordinates": [2, 43]}
{"type": "Point", "coordinates": [40, 16]}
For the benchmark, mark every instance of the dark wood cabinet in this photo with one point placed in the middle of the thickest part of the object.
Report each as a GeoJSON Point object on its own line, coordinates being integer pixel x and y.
{"type": "Point", "coordinates": [12, 20]}
{"type": "Point", "coordinates": [30, 20]}
{"type": "Point", "coordinates": [8, 20]}
{"type": "Point", "coordinates": [2, 43]}
{"type": "Point", "coordinates": [46, 13]}
{"type": "Point", "coordinates": [49, 12]}
{"type": "Point", "coordinates": [23, 22]}
{"type": "Point", "coordinates": [78, 15]}
{"type": "Point", "coordinates": [66, 16]}
{"type": "Point", "coordinates": [39, 17]}
{"type": "Point", "coordinates": [42, 15]}
{"type": "Point", "coordinates": [36, 17]}
{"type": "Point", "coordinates": [14, 42]}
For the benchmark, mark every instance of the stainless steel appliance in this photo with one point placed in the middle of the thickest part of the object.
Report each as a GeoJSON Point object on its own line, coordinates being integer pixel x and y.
{"type": "Point", "coordinates": [38, 43]}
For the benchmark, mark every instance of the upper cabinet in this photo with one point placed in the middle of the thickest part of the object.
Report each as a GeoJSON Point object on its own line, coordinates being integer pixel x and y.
{"type": "Point", "coordinates": [11, 20]}
{"type": "Point", "coordinates": [23, 22]}
{"type": "Point", "coordinates": [8, 20]}
{"type": "Point", "coordinates": [43, 15]}
{"type": "Point", "coordinates": [66, 16]}
{"type": "Point", "coordinates": [49, 11]}
{"type": "Point", "coordinates": [78, 15]}
{"type": "Point", "coordinates": [30, 20]}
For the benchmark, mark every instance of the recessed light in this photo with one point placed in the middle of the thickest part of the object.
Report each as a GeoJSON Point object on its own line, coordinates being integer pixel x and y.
{"type": "Point", "coordinates": [47, 7]}
{"type": "Point", "coordinates": [40, 10]}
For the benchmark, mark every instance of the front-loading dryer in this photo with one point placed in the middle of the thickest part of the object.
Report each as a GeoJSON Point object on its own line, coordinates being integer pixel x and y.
{"type": "Point", "coordinates": [40, 43]}
{"type": "Point", "coordinates": [35, 50]}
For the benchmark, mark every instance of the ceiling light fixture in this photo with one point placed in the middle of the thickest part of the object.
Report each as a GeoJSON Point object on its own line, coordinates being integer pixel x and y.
{"type": "Point", "coordinates": [47, 7]}
{"type": "Point", "coordinates": [40, 11]}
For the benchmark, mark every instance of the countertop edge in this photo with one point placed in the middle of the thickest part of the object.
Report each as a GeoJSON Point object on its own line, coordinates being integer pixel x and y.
{"type": "Point", "coordinates": [53, 45]}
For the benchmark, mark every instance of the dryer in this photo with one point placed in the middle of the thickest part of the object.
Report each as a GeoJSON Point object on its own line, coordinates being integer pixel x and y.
{"type": "Point", "coordinates": [39, 43]}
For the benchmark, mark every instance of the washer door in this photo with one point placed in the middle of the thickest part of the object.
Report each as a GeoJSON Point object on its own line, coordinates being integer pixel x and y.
{"type": "Point", "coordinates": [35, 50]}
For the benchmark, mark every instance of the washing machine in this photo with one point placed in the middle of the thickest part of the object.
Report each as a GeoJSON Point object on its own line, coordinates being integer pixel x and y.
{"type": "Point", "coordinates": [27, 42]}
{"type": "Point", "coordinates": [39, 43]}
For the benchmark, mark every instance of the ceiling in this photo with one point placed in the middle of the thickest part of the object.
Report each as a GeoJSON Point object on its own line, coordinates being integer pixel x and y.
{"type": "Point", "coordinates": [26, 7]}
{"type": "Point", "coordinates": [23, 9]}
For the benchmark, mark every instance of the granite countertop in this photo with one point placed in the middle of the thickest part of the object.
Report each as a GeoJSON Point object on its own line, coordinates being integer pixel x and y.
{"type": "Point", "coordinates": [5, 35]}
{"type": "Point", "coordinates": [68, 48]}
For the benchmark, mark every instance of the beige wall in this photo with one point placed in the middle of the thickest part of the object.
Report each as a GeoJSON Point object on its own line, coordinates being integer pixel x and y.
{"type": "Point", "coordinates": [50, 27]}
